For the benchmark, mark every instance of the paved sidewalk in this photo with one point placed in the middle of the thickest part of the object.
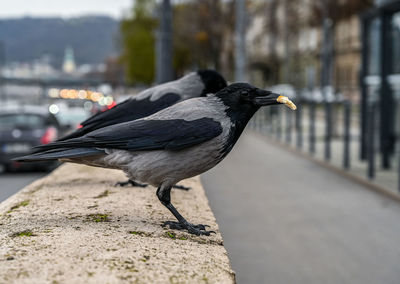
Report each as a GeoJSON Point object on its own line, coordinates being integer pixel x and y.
{"type": "Point", "coordinates": [285, 219]}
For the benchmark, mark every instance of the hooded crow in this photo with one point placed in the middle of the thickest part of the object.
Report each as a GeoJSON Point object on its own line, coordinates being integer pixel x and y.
{"type": "Point", "coordinates": [152, 100]}
{"type": "Point", "coordinates": [176, 143]}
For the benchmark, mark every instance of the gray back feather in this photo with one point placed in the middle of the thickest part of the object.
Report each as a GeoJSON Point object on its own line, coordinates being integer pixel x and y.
{"type": "Point", "coordinates": [188, 86]}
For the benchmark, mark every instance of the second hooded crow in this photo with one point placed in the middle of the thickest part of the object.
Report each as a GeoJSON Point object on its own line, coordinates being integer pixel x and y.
{"type": "Point", "coordinates": [176, 143]}
{"type": "Point", "coordinates": [152, 100]}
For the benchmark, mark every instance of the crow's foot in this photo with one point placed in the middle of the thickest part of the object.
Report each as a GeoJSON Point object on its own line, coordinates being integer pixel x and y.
{"type": "Point", "coordinates": [182, 187]}
{"type": "Point", "coordinates": [130, 182]}
{"type": "Point", "coordinates": [191, 228]}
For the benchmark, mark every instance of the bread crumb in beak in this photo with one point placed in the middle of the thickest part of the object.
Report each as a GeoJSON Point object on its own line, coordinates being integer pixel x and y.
{"type": "Point", "coordinates": [287, 102]}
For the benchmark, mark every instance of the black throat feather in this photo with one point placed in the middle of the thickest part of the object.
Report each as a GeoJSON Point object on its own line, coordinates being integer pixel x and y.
{"type": "Point", "coordinates": [239, 113]}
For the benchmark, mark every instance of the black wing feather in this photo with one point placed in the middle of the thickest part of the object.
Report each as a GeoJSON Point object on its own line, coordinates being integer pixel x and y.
{"type": "Point", "coordinates": [175, 134]}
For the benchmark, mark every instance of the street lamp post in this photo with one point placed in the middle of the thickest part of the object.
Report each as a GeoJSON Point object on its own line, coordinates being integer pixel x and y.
{"type": "Point", "coordinates": [326, 74]}
{"type": "Point", "coordinates": [2, 62]}
{"type": "Point", "coordinates": [240, 44]}
{"type": "Point", "coordinates": [164, 55]}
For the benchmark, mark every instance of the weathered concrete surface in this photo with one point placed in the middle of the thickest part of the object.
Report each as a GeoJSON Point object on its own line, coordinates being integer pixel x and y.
{"type": "Point", "coordinates": [74, 226]}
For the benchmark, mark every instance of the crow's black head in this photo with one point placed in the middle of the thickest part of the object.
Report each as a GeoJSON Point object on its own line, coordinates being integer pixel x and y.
{"type": "Point", "coordinates": [242, 96]}
{"type": "Point", "coordinates": [243, 99]}
{"type": "Point", "coordinates": [213, 81]}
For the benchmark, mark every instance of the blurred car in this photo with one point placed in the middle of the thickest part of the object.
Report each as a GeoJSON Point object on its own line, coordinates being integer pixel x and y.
{"type": "Point", "coordinates": [71, 117]}
{"type": "Point", "coordinates": [21, 128]}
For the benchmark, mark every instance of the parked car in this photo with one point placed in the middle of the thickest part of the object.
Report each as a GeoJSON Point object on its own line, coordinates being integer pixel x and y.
{"type": "Point", "coordinates": [21, 128]}
{"type": "Point", "coordinates": [70, 118]}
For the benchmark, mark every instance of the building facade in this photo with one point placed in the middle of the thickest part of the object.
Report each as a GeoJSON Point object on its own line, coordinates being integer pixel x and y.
{"type": "Point", "coordinates": [285, 43]}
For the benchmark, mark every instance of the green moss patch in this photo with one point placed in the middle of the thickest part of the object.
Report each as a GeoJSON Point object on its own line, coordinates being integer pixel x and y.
{"type": "Point", "coordinates": [139, 233]}
{"type": "Point", "coordinates": [103, 194]}
{"type": "Point", "coordinates": [170, 235]}
{"type": "Point", "coordinates": [98, 218]}
{"type": "Point", "coordinates": [145, 258]}
{"type": "Point", "coordinates": [25, 233]}
{"type": "Point", "coordinates": [21, 204]}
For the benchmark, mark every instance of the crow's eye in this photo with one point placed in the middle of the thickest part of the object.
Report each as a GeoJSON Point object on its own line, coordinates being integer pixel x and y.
{"type": "Point", "coordinates": [244, 94]}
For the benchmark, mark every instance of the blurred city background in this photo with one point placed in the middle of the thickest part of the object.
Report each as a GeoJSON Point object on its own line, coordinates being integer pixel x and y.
{"type": "Point", "coordinates": [339, 60]}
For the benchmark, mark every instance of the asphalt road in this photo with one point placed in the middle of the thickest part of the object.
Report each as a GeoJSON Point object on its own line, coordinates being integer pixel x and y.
{"type": "Point", "coordinates": [11, 183]}
{"type": "Point", "coordinates": [286, 220]}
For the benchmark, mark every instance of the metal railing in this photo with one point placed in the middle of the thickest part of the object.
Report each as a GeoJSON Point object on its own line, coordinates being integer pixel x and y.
{"type": "Point", "coordinates": [331, 131]}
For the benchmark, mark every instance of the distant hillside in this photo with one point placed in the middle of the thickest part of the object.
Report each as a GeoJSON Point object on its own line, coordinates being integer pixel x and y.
{"type": "Point", "coordinates": [93, 38]}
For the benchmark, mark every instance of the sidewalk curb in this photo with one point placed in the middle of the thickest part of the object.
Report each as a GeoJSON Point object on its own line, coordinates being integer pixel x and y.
{"type": "Point", "coordinates": [371, 186]}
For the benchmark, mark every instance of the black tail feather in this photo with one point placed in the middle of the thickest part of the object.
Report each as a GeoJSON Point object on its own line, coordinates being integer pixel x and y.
{"type": "Point", "coordinates": [55, 154]}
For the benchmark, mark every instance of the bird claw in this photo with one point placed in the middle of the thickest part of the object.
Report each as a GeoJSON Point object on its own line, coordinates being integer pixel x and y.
{"type": "Point", "coordinates": [182, 187]}
{"type": "Point", "coordinates": [130, 182]}
{"type": "Point", "coordinates": [197, 230]}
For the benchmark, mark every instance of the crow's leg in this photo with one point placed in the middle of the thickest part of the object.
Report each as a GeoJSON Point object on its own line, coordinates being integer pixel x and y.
{"type": "Point", "coordinates": [164, 195]}
{"type": "Point", "coordinates": [130, 182]}
{"type": "Point", "coordinates": [182, 187]}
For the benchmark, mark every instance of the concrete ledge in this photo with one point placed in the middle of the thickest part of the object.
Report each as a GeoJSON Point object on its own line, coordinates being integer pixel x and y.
{"type": "Point", "coordinates": [74, 226]}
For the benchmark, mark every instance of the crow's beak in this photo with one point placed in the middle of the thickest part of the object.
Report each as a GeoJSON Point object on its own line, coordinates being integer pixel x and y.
{"type": "Point", "coordinates": [287, 102]}
{"type": "Point", "coordinates": [265, 98]}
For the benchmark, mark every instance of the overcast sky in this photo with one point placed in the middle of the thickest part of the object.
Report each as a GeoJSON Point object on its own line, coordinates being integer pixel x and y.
{"type": "Point", "coordinates": [64, 8]}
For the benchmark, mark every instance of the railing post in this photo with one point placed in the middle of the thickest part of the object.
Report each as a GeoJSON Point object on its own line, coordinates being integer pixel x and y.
{"type": "Point", "coordinates": [398, 169]}
{"type": "Point", "coordinates": [312, 128]}
{"type": "Point", "coordinates": [260, 121]}
{"type": "Point", "coordinates": [257, 118]}
{"type": "Point", "coordinates": [267, 120]}
{"type": "Point", "coordinates": [299, 125]}
{"type": "Point", "coordinates": [328, 130]}
{"type": "Point", "coordinates": [371, 140]}
{"type": "Point", "coordinates": [346, 136]}
{"type": "Point", "coordinates": [279, 123]}
{"type": "Point", "coordinates": [288, 125]}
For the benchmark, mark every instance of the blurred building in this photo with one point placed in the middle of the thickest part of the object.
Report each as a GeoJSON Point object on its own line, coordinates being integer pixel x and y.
{"type": "Point", "coordinates": [285, 41]}
{"type": "Point", "coordinates": [69, 65]}
{"type": "Point", "coordinates": [38, 68]}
